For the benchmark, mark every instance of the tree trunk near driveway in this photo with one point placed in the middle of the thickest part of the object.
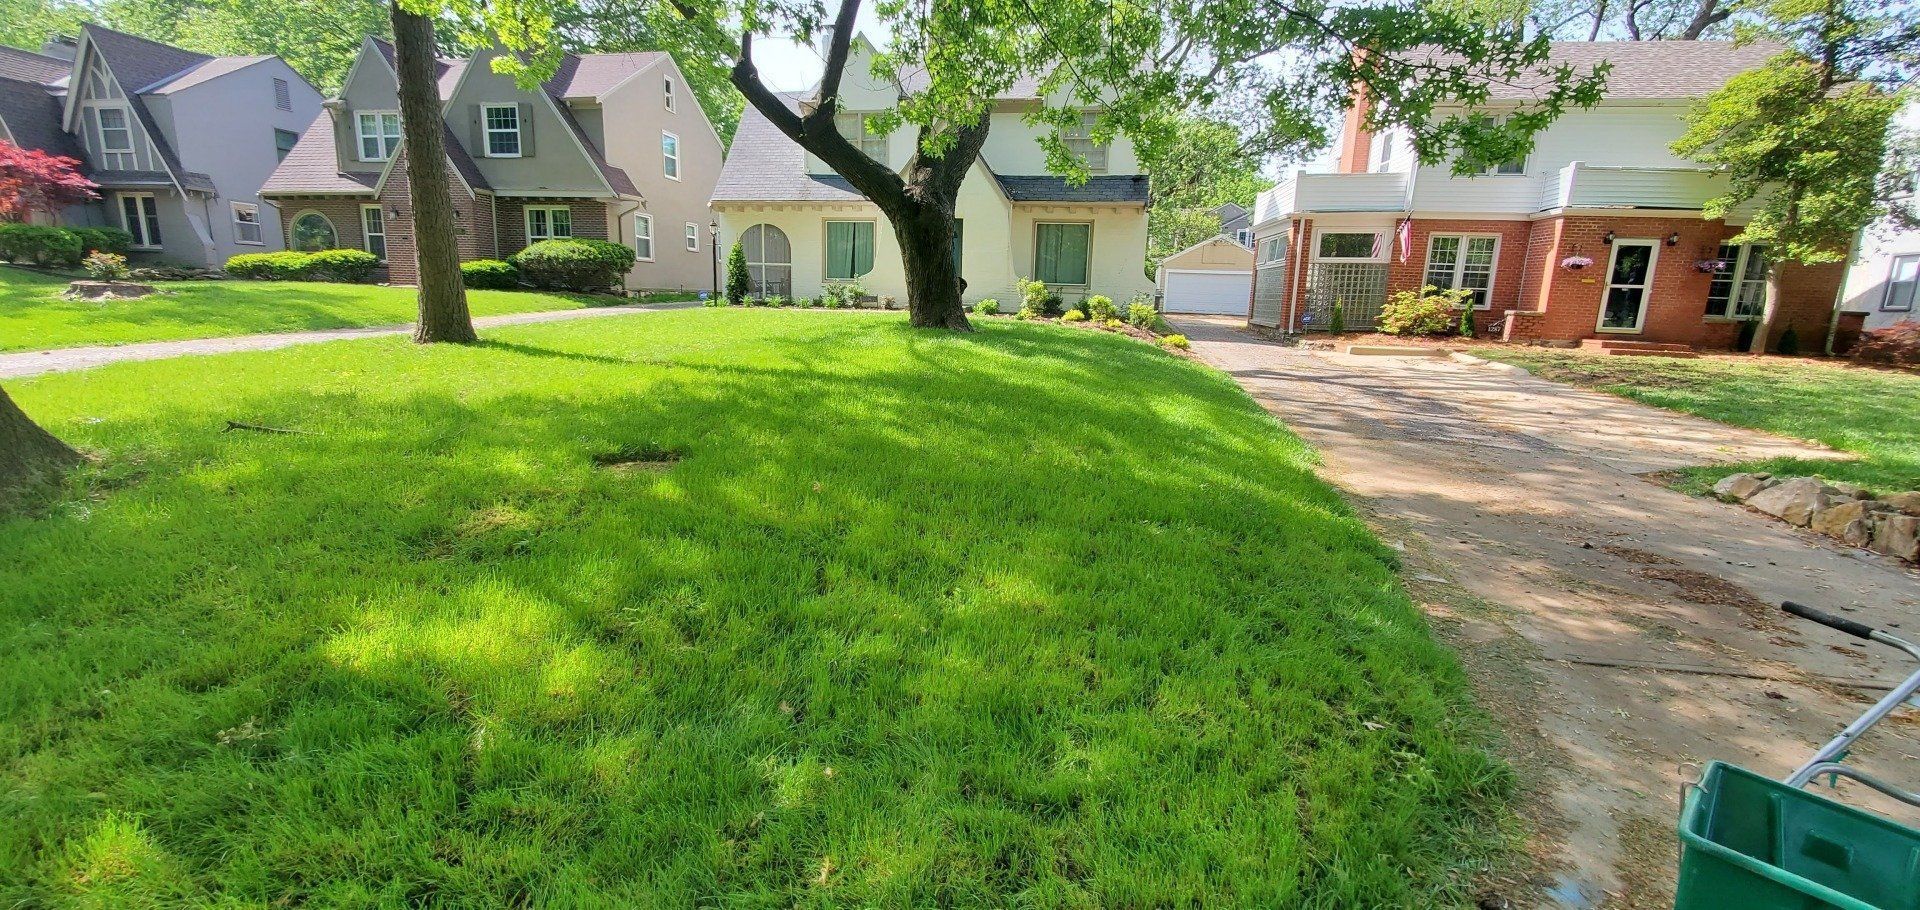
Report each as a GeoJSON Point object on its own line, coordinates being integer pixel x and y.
{"type": "Point", "coordinates": [442, 292]}
{"type": "Point", "coordinates": [27, 452]}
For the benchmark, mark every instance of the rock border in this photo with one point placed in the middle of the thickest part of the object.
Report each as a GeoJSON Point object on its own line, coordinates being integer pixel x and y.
{"type": "Point", "coordinates": [1849, 513]}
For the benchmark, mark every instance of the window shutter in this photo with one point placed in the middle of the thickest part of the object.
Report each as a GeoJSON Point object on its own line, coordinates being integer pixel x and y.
{"type": "Point", "coordinates": [526, 130]}
{"type": "Point", "coordinates": [477, 130]}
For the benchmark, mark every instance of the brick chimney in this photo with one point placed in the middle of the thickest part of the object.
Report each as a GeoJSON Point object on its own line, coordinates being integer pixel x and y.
{"type": "Point", "coordinates": [1356, 141]}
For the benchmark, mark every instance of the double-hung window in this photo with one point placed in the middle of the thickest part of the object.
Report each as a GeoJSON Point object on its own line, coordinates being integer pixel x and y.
{"type": "Point", "coordinates": [1081, 145]}
{"type": "Point", "coordinates": [373, 231]}
{"type": "Point", "coordinates": [853, 127]}
{"type": "Point", "coordinates": [378, 133]}
{"type": "Point", "coordinates": [670, 154]}
{"type": "Point", "coordinates": [667, 90]}
{"type": "Point", "coordinates": [1463, 262]}
{"type": "Point", "coordinates": [284, 141]}
{"type": "Point", "coordinates": [246, 223]}
{"type": "Point", "coordinates": [849, 249]}
{"type": "Point", "coordinates": [116, 139]}
{"type": "Point", "coordinates": [502, 124]}
{"type": "Point", "coordinates": [1739, 286]}
{"type": "Point", "coordinates": [1273, 249]}
{"type": "Point", "coordinates": [643, 237]}
{"type": "Point", "coordinates": [1062, 252]}
{"type": "Point", "coordinates": [547, 222]}
{"type": "Point", "coordinates": [693, 237]}
{"type": "Point", "coordinates": [1903, 282]}
{"type": "Point", "coordinates": [139, 218]}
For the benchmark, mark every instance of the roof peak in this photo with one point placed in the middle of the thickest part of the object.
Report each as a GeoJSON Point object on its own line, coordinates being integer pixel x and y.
{"type": "Point", "coordinates": [95, 27]}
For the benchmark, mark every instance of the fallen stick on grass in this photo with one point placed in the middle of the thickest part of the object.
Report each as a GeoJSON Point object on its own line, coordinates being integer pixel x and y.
{"type": "Point", "coordinates": [237, 425]}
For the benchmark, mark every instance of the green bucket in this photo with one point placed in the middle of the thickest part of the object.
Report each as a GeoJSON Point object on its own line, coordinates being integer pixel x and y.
{"type": "Point", "coordinates": [1751, 843]}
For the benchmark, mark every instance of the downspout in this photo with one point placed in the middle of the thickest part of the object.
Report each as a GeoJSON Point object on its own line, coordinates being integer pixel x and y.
{"type": "Point", "coordinates": [1296, 248]}
{"type": "Point", "coordinates": [1840, 293]}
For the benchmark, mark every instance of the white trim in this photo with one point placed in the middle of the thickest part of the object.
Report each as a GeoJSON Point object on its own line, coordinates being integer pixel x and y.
{"type": "Point", "coordinates": [379, 123]}
{"type": "Point", "coordinates": [109, 157]}
{"type": "Point", "coordinates": [637, 218]}
{"type": "Point", "coordinates": [295, 220]}
{"type": "Point", "coordinates": [379, 218]}
{"type": "Point", "coordinates": [1036, 254]}
{"type": "Point", "coordinates": [693, 237]}
{"type": "Point", "coordinates": [234, 211]}
{"type": "Point", "coordinates": [666, 93]}
{"type": "Point", "coordinates": [673, 174]}
{"type": "Point", "coordinates": [526, 218]}
{"type": "Point", "coordinates": [1886, 296]}
{"type": "Point", "coordinates": [1380, 242]}
{"type": "Point", "coordinates": [1214, 239]}
{"type": "Point", "coordinates": [1207, 271]}
{"type": "Point", "coordinates": [1460, 264]}
{"type": "Point", "coordinates": [553, 106]}
{"type": "Point", "coordinates": [487, 129]}
{"type": "Point", "coordinates": [150, 209]}
{"type": "Point", "coordinates": [1646, 290]}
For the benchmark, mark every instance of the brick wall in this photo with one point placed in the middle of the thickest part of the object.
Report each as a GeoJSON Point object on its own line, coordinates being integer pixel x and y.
{"type": "Point", "coordinates": [589, 221]}
{"type": "Point", "coordinates": [472, 224]}
{"type": "Point", "coordinates": [1508, 266]}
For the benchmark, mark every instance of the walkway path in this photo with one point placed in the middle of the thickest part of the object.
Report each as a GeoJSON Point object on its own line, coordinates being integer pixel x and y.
{"type": "Point", "coordinates": [1617, 627]}
{"type": "Point", "coordinates": [33, 363]}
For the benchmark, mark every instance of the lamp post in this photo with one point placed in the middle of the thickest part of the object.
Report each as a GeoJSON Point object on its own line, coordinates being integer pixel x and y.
{"type": "Point", "coordinates": [713, 244]}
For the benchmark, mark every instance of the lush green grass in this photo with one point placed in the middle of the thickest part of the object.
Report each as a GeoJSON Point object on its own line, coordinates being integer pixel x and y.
{"type": "Point", "coordinates": [33, 316]}
{"type": "Point", "coordinates": [1031, 618]}
{"type": "Point", "coordinates": [1872, 412]}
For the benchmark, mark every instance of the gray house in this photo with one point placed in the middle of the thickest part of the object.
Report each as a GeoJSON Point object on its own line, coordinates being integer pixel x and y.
{"type": "Point", "coordinates": [179, 142]}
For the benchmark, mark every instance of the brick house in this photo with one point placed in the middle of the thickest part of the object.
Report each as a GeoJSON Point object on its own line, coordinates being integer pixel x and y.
{"type": "Point", "coordinates": [612, 147]}
{"type": "Point", "coordinates": [1600, 185]}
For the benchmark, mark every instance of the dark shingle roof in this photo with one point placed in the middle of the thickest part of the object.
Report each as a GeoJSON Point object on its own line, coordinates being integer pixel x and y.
{"type": "Point", "coordinates": [462, 162]}
{"type": "Point", "coordinates": [593, 75]}
{"type": "Point", "coordinates": [615, 177]}
{"type": "Point", "coordinates": [312, 166]}
{"type": "Point", "coordinates": [1124, 188]}
{"type": "Point", "coordinates": [1648, 70]}
{"type": "Point", "coordinates": [137, 63]}
{"type": "Point", "coordinates": [32, 116]}
{"type": "Point", "coordinates": [27, 66]}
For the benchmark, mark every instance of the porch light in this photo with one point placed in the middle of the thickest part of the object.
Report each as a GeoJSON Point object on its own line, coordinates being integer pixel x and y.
{"type": "Point", "coordinates": [1673, 239]}
{"type": "Point", "coordinates": [1608, 240]}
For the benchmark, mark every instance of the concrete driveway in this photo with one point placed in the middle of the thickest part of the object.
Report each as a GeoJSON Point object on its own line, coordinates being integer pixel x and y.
{"type": "Point", "coordinates": [1616, 628]}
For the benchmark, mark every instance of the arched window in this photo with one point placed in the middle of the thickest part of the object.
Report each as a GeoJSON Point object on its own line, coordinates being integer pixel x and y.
{"type": "Point", "coordinates": [312, 232]}
{"type": "Point", "coordinates": [769, 260]}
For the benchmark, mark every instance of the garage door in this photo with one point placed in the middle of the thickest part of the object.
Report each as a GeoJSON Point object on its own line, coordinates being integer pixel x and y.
{"type": "Point", "coordinates": [1208, 292]}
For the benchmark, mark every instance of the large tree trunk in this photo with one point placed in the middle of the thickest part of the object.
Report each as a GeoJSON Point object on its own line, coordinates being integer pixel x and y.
{"type": "Point", "coordinates": [27, 452]}
{"type": "Point", "coordinates": [933, 277]}
{"type": "Point", "coordinates": [442, 292]}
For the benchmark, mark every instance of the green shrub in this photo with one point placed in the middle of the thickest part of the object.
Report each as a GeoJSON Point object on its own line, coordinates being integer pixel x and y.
{"type": "Point", "coordinates": [105, 266]}
{"type": "Point", "coordinates": [1100, 308]}
{"type": "Point", "coordinates": [1073, 316]}
{"type": "Point", "coordinates": [987, 307]}
{"type": "Point", "coordinates": [490, 274]}
{"type": "Point", "coordinates": [105, 240]}
{"type": "Point", "coordinates": [1033, 297]}
{"type": "Point", "coordinates": [40, 245]}
{"type": "Point", "coordinates": [1141, 314]}
{"type": "Point", "coordinates": [341, 265]}
{"type": "Point", "coordinates": [1427, 311]}
{"type": "Point", "coordinates": [776, 301]}
{"type": "Point", "coordinates": [1466, 320]}
{"type": "Point", "coordinates": [887, 302]}
{"type": "Point", "coordinates": [574, 264]}
{"type": "Point", "coordinates": [1176, 341]}
{"type": "Point", "coordinates": [737, 283]}
{"type": "Point", "coordinates": [1337, 320]}
{"type": "Point", "coordinates": [1115, 323]}
{"type": "Point", "coordinates": [282, 266]}
{"type": "Point", "coordinates": [843, 294]}
{"type": "Point", "coordinates": [1789, 343]}
{"type": "Point", "coordinates": [712, 300]}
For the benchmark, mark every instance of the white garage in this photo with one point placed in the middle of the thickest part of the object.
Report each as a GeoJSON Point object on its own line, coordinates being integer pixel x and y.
{"type": "Point", "coordinates": [1213, 276]}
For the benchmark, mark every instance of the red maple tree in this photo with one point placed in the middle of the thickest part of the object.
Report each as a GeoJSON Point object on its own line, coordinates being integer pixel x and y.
{"type": "Point", "coordinates": [34, 181]}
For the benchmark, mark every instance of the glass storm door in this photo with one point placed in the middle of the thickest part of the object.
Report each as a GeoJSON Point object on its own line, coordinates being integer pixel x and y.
{"type": "Point", "coordinates": [1629, 281]}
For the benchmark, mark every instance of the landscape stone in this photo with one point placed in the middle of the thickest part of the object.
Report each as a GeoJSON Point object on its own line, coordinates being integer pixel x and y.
{"type": "Point", "coordinates": [1850, 490]}
{"type": "Point", "coordinates": [1897, 535]}
{"type": "Point", "coordinates": [107, 290]}
{"type": "Point", "coordinates": [1794, 501]}
{"type": "Point", "coordinates": [1905, 502]}
{"type": "Point", "coordinates": [1742, 486]}
{"type": "Point", "coordinates": [1851, 521]}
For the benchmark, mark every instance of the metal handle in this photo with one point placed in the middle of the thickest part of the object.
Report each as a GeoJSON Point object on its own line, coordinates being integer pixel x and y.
{"type": "Point", "coordinates": [1841, 623]}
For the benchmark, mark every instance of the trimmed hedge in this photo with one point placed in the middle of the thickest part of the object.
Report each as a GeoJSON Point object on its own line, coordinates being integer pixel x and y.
{"type": "Point", "coordinates": [325, 265]}
{"type": "Point", "coordinates": [490, 275]}
{"type": "Point", "coordinates": [105, 240]}
{"type": "Point", "coordinates": [49, 246]}
{"type": "Point", "coordinates": [574, 264]}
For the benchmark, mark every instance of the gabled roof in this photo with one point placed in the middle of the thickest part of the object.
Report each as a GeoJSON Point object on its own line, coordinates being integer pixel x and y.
{"type": "Point", "coordinates": [312, 166]}
{"type": "Point", "coordinates": [136, 63]}
{"type": "Point", "coordinates": [27, 66]}
{"type": "Point", "coordinates": [616, 178]}
{"type": "Point", "coordinates": [32, 118]}
{"type": "Point", "coordinates": [1649, 70]}
{"type": "Point", "coordinates": [446, 70]}
{"type": "Point", "coordinates": [763, 165]}
{"type": "Point", "coordinates": [201, 73]}
{"type": "Point", "coordinates": [592, 76]}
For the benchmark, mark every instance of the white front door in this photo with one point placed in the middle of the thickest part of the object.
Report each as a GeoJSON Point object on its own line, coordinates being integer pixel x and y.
{"type": "Point", "coordinates": [1629, 283]}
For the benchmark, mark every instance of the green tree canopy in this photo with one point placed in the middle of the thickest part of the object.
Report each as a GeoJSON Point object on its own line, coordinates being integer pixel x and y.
{"type": "Point", "coordinates": [1196, 166]}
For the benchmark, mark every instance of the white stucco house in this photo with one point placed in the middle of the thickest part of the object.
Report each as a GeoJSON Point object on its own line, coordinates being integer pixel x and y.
{"type": "Point", "coordinates": [1884, 282]}
{"type": "Point", "coordinates": [802, 226]}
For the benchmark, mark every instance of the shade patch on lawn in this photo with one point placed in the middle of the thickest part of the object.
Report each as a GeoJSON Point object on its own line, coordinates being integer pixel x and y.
{"type": "Point", "coordinates": [643, 457]}
{"type": "Point", "coordinates": [1027, 618]}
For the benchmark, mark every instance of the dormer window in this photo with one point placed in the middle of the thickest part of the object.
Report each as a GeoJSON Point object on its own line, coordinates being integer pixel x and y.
{"type": "Point", "coordinates": [667, 90]}
{"type": "Point", "coordinates": [502, 128]}
{"type": "Point", "coordinates": [853, 127]}
{"type": "Point", "coordinates": [116, 139]}
{"type": "Point", "coordinates": [378, 133]}
{"type": "Point", "coordinates": [1081, 145]}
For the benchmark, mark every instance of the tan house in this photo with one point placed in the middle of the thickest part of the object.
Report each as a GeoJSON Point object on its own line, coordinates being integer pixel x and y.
{"type": "Point", "coordinates": [1212, 276]}
{"type": "Point", "coordinates": [612, 147]}
{"type": "Point", "coordinates": [802, 226]}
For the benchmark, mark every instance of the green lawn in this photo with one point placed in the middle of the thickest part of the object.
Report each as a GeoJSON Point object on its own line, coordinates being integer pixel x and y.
{"type": "Point", "coordinates": [33, 317]}
{"type": "Point", "coordinates": [1872, 412]}
{"type": "Point", "coordinates": [1030, 618]}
